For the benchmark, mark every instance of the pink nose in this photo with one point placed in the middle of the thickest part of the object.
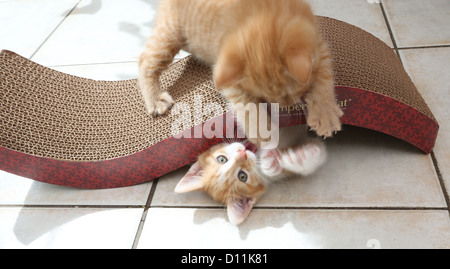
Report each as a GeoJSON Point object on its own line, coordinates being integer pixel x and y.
{"type": "Point", "coordinates": [243, 154]}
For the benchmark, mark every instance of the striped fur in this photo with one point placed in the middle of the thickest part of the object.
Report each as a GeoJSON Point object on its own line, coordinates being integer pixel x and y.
{"type": "Point", "coordinates": [262, 51]}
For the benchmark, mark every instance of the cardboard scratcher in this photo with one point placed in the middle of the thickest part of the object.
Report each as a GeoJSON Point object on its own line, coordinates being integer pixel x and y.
{"type": "Point", "coordinates": [72, 131]}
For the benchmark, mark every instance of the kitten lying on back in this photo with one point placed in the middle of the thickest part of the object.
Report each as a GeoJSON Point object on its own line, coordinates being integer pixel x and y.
{"type": "Point", "coordinates": [262, 51]}
{"type": "Point", "coordinates": [236, 176]}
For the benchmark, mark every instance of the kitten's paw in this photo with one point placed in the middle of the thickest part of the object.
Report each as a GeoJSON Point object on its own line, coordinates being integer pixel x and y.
{"type": "Point", "coordinates": [304, 159]}
{"type": "Point", "coordinates": [325, 120]}
{"type": "Point", "coordinates": [160, 105]}
{"type": "Point", "coordinates": [270, 165]}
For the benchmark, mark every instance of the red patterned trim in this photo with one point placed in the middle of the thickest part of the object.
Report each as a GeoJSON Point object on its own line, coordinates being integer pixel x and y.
{"type": "Point", "coordinates": [379, 113]}
{"type": "Point", "coordinates": [384, 114]}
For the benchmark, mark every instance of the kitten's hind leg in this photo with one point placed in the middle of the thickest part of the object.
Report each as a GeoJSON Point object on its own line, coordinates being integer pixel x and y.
{"type": "Point", "coordinates": [159, 53]}
{"type": "Point", "coordinates": [303, 159]}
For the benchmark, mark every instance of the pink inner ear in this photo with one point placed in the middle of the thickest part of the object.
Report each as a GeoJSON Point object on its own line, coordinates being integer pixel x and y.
{"type": "Point", "coordinates": [192, 181]}
{"type": "Point", "coordinates": [239, 209]}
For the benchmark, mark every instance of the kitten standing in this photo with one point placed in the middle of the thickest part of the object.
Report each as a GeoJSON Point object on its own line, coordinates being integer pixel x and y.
{"type": "Point", "coordinates": [262, 51]}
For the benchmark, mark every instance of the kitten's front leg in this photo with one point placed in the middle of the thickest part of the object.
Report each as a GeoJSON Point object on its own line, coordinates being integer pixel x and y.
{"type": "Point", "coordinates": [323, 111]}
{"type": "Point", "coordinates": [270, 162]}
{"type": "Point", "coordinates": [159, 53]}
{"type": "Point", "coordinates": [303, 159]}
{"type": "Point", "coordinates": [247, 112]}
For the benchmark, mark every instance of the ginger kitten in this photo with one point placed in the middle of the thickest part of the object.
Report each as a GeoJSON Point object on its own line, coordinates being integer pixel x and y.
{"type": "Point", "coordinates": [262, 51]}
{"type": "Point", "coordinates": [228, 173]}
{"type": "Point", "coordinates": [237, 177]}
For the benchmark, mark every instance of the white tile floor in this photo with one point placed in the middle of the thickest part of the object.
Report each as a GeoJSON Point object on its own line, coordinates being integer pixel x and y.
{"type": "Point", "coordinates": [373, 190]}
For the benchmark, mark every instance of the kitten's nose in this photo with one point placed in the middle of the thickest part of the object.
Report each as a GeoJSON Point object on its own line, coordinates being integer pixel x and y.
{"type": "Point", "coordinates": [242, 154]}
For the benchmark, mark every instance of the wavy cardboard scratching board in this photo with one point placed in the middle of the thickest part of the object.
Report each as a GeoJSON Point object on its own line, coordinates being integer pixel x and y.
{"type": "Point", "coordinates": [72, 131]}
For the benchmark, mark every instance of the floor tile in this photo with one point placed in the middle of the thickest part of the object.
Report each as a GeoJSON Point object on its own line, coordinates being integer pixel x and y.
{"type": "Point", "coordinates": [165, 196]}
{"type": "Point", "coordinates": [364, 14]}
{"type": "Point", "coordinates": [270, 228]}
{"type": "Point", "coordinates": [430, 72]}
{"type": "Point", "coordinates": [100, 31]}
{"type": "Point", "coordinates": [419, 23]}
{"type": "Point", "coordinates": [364, 169]}
{"type": "Point", "coordinates": [68, 228]}
{"type": "Point", "coordinates": [32, 22]}
{"type": "Point", "coordinates": [16, 190]}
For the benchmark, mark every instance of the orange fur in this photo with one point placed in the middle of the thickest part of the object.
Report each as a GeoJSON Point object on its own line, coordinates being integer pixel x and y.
{"type": "Point", "coordinates": [221, 180]}
{"type": "Point", "coordinates": [223, 185]}
{"type": "Point", "coordinates": [262, 51]}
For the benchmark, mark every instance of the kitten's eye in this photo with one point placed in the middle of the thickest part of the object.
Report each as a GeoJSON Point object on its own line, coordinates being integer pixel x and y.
{"type": "Point", "coordinates": [222, 159]}
{"type": "Point", "coordinates": [242, 176]}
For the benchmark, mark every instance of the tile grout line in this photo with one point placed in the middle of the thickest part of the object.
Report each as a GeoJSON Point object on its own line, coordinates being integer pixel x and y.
{"type": "Point", "coordinates": [148, 206]}
{"type": "Point", "coordinates": [386, 20]}
{"type": "Point", "coordinates": [441, 179]}
{"type": "Point", "coordinates": [425, 47]}
{"type": "Point", "coordinates": [53, 31]}
{"type": "Point", "coordinates": [357, 208]}
{"type": "Point", "coordinates": [71, 206]}
{"type": "Point", "coordinates": [367, 208]}
{"type": "Point", "coordinates": [144, 214]}
{"type": "Point", "coordinates": [388, 25]}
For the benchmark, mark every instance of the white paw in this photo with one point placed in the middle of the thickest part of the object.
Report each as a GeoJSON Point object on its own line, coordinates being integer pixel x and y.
{"type": "Point", "coordinates": [160, 105]}
{"type": "Point", "coordinates": [270, 165]}
{"type": "Point", "coordinates": [304, 159]}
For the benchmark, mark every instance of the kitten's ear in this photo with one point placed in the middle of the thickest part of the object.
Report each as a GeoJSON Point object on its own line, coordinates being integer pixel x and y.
{"type": "Point", "coordinates": [299, 64]}
{"type": "Point", "coordinates": [192, 181]}
{"type": "Point", "coordinates": [238, 209]}
{"type": "Point", "coordinates": [228, 70]}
